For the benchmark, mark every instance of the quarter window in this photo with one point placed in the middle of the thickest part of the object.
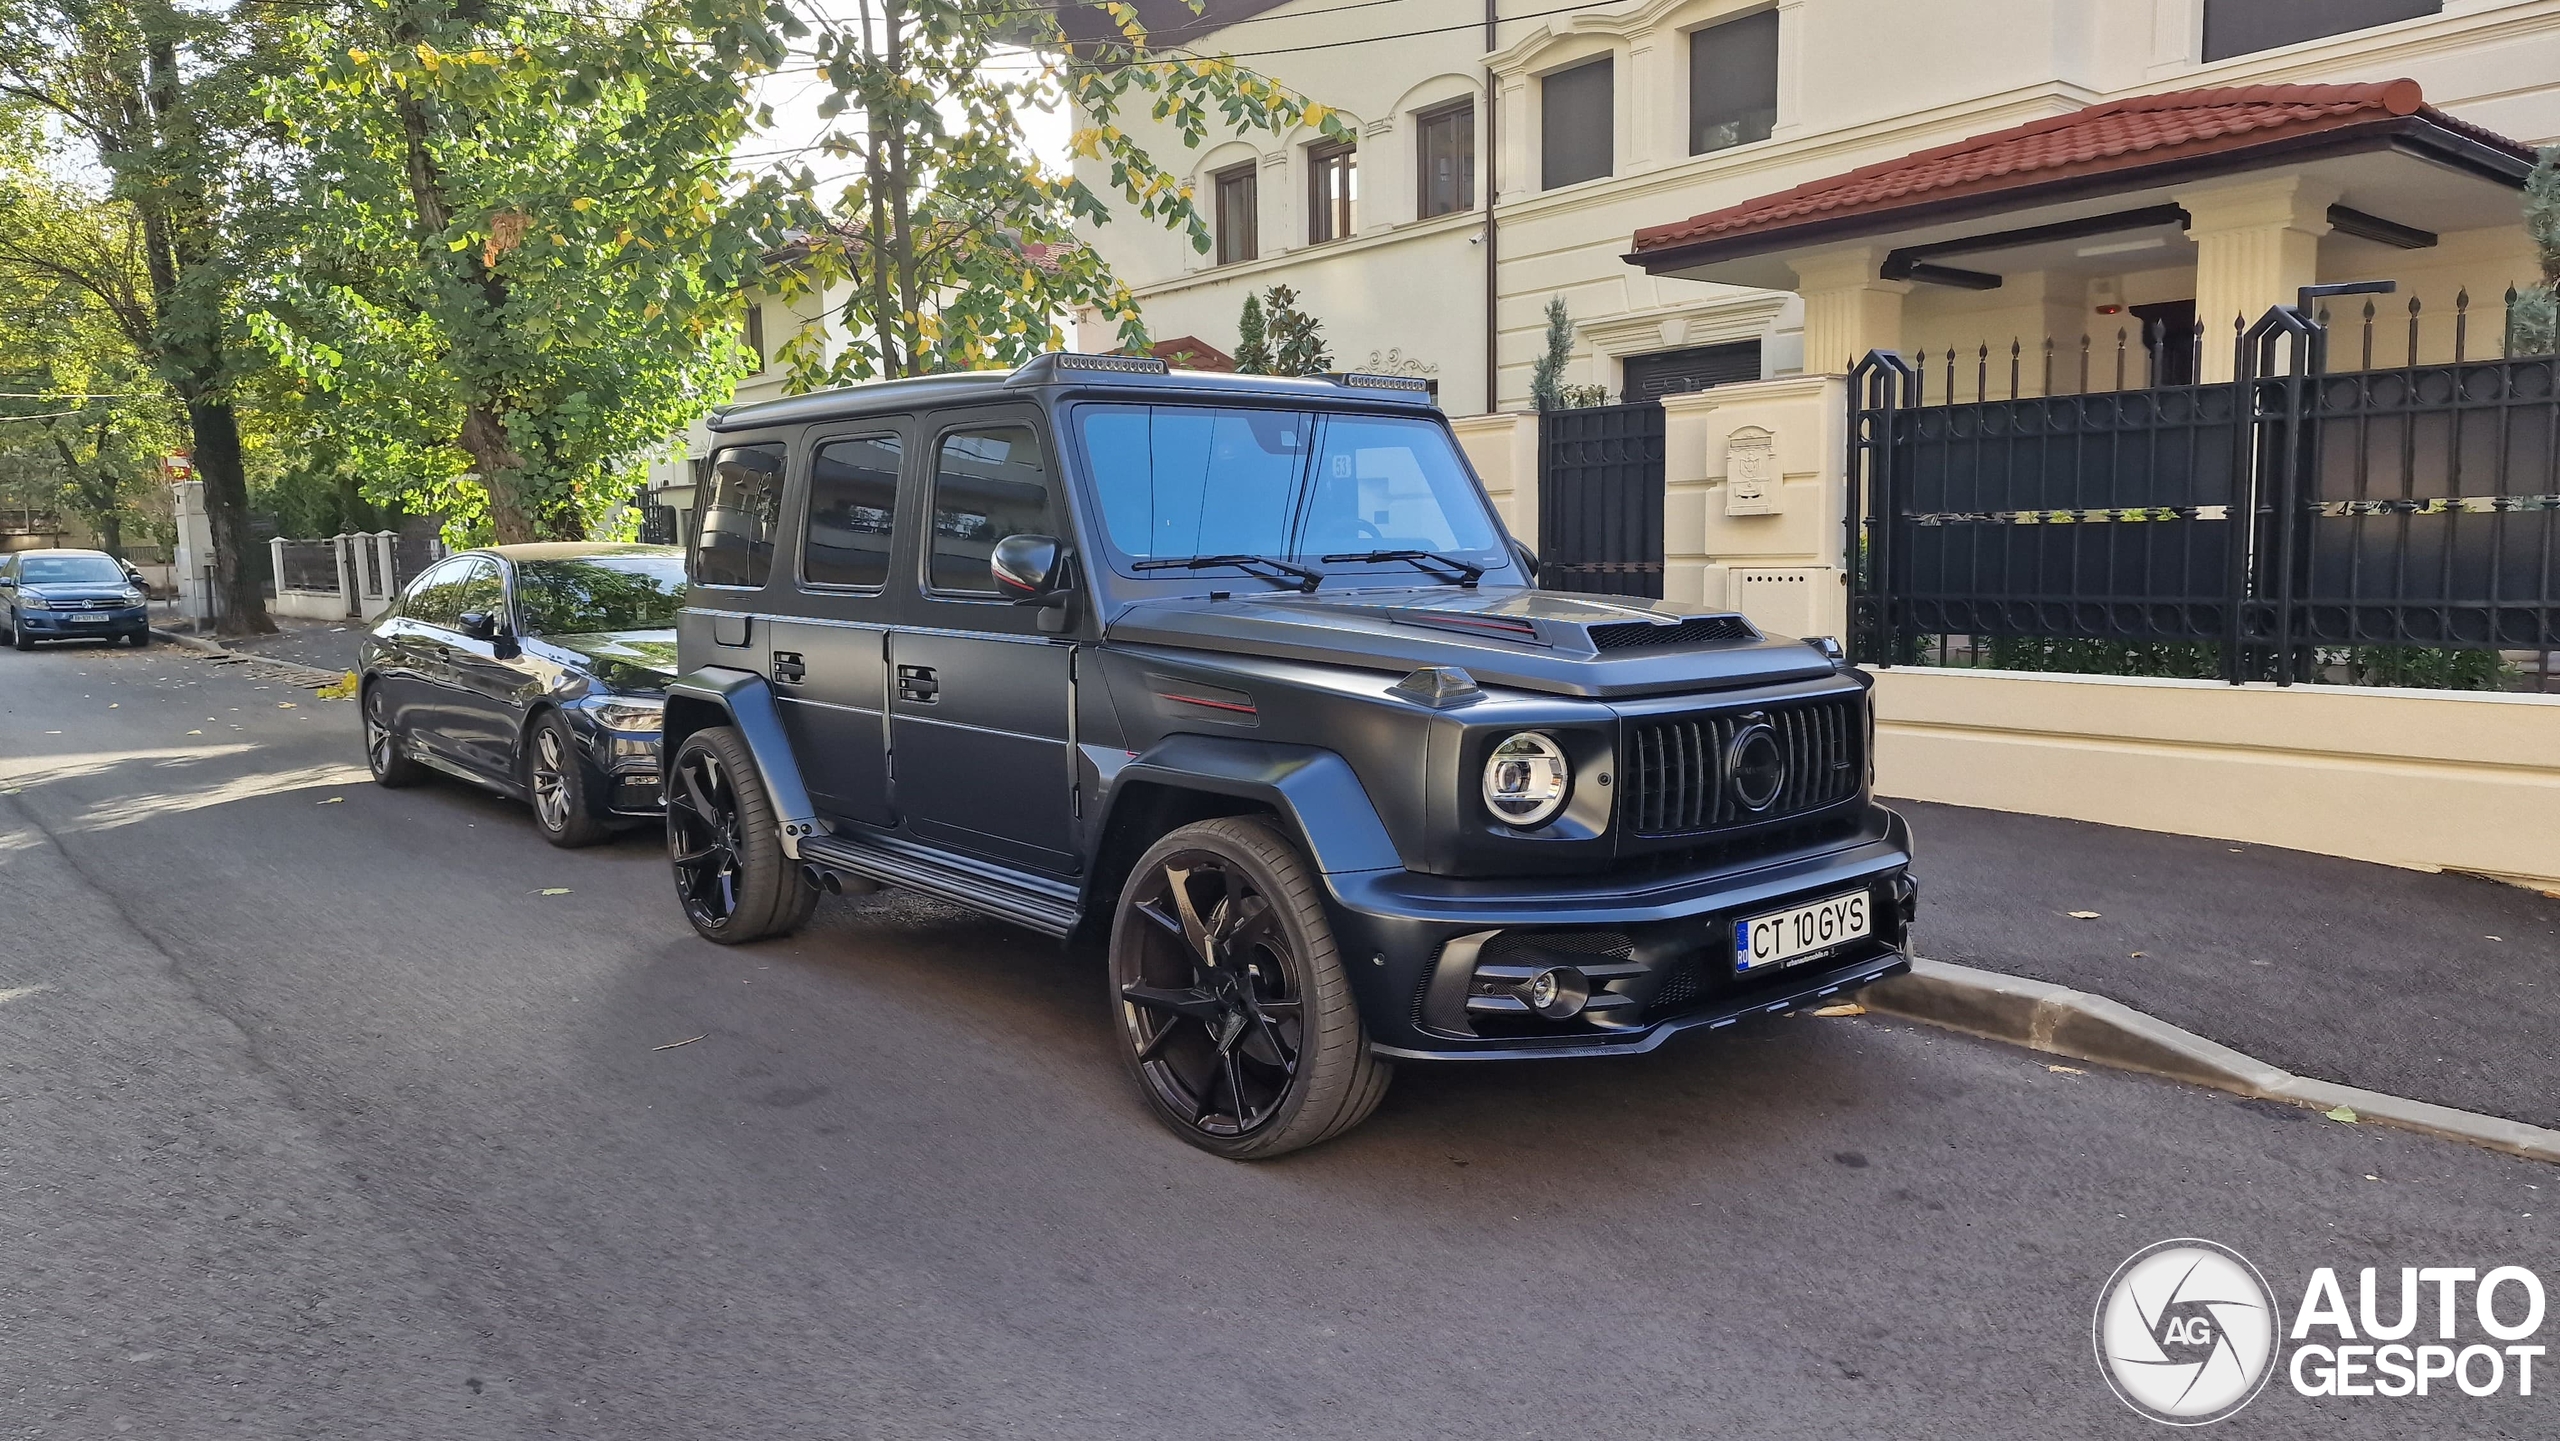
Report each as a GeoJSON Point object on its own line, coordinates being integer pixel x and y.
{"type": "Point", "coordinates": [853, 500]}
{"type": "Point", "coordinates": [1239, 214]}
{"type": "Point", "coordinates": [1575, 124]}
{"type": "Point", "coordinates": [1446, 141]}
{"type": "Point", "coordinates": [1733, 83]}
{"type": "Point", "coordinates": [988, 483]}
{"type": "Point", "coordinates": [1333, 182]}
{"type": "Point", "coordinates": [741, 504]}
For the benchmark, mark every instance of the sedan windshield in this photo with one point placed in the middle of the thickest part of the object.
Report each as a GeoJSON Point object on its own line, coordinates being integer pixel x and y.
{"type": "Point", "coordinates": [1179, 481]}
{"type": "Point", "coordinates": [599, 594]}
{"type": "Point", "coordinates": [70, 570]}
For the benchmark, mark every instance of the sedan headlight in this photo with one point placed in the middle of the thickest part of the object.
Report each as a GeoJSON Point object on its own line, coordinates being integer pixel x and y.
{"type": "Point", "coordinates": [627, 714]}
{"type": "Point", "coordinates": [1525, 780]}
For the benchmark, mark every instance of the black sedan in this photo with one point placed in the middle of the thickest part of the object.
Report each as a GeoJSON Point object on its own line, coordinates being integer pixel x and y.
{"type": "Point", "coordinates": [71, 595]}
{"type": "Point", "coordinates": [538, 671]}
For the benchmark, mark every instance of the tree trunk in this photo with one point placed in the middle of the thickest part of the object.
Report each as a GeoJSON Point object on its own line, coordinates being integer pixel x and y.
{"type": "Point", "coordinates": [484, 435]}
{"type": "Point", "coordinates": [875, 240]}
{"type": "Point", "coordinates": [239, 593]}
{"type": "Point", "coordinates": [902, 241]}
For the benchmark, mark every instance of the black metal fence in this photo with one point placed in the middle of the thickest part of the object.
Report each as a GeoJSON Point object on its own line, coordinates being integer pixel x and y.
{"type": "Point", "coordinates": [2295, 508]}
{"type": "Point", "coordinates": [1600, 494]}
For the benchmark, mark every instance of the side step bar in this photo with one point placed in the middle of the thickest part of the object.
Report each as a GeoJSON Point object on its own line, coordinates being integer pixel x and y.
{"type": "Point", "coordinates": [1042, 904]}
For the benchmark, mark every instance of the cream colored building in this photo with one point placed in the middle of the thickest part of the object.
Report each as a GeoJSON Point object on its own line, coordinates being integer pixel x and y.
{"type": "Point", "coordinates": [1678, 87]}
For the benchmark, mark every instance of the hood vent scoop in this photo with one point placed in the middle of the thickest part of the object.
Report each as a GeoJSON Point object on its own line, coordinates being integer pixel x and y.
{"type": "Point", "coordinates": [1439, 687]}
{"type": "Point", "coordinates": [1697, 630]}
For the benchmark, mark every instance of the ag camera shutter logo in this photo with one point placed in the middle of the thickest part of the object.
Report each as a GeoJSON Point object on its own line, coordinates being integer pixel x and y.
{"type": "Point", "coordinates": [2186, 1332]}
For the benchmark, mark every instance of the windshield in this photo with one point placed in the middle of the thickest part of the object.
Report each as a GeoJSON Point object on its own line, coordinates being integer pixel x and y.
{"type": "Point", "coordinates": [1177, 481]}
{"type": "Point", "coordinates": [603, 593]}
{"type": "Point", "coordinates": [70, 570]}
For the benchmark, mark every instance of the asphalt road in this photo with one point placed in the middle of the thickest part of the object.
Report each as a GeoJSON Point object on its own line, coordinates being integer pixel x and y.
{"type": "Point", "coordinates": [318, 1119]}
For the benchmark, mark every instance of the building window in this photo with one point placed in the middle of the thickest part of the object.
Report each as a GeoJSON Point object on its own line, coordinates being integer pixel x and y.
{"type": "Point", "coordinates": [1333, 182]}
{"type": "Point", "coordinates": [753, 338]}
{"type": "Point", "coordinates": [1576, 119]}
{"type": "Point", "coordinates": [1677, 372]}
{"type": "Point", "coordinates": [1239, 214]}
{"type": "Point", "coordinates": [1733, 83]}
{"type": "Point", "coordinates": [2245, 27]}
{"type": "Point", "coordinates": [1446, 141]}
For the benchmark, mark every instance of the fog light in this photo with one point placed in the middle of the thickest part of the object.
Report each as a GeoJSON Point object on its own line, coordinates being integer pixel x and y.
{"type": "Point", "coordinates": [1557, 993]}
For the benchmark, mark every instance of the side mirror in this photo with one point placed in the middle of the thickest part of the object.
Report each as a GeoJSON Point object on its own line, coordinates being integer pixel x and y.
{"type": "Point", "coordinates": [479, 625]}
{"type": "Point", "coordinates": [1031, 569]}
{"type": "Point", "coordinates": [1528, 559]}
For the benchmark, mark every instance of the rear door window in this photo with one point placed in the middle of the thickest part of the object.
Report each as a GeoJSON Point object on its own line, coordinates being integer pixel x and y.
{"type": "Point", "coordinates": [853, 507]}
{"type": "Point", "coordinates": [741, 511]}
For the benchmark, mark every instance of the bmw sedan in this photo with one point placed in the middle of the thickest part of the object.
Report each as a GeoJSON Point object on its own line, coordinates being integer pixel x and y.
{"type": "Point", "coordinates": [71, 595]}
{"type": "Point", "coordinates": [538, 671]}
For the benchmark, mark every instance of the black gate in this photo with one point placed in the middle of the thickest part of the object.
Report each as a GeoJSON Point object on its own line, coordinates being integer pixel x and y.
{"type": "Point", "coordinates": [2289, 509]}
{"type": "Point", "coordinates": [1600, 491]}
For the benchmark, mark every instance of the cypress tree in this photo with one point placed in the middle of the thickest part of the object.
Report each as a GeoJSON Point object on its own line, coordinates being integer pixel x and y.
{"type": "Point", "coordinates": [1546, 378]}
{"type": "Point", "coordinates": [2533, 318]}
{"type": "Point", "coordinates": [1253, 351]}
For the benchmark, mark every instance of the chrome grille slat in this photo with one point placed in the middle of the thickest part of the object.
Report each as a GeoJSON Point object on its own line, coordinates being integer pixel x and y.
{"type": "Point", "coordinates": [1677, 765]}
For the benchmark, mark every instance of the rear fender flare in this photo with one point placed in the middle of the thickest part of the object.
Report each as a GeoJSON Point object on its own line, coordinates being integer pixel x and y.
{"type": "Point", "coordinates": [719, 695]}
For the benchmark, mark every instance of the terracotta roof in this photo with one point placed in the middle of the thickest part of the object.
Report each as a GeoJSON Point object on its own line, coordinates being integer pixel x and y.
{"type": "Point", "coordinates": [2145, 131]}
{"type": "Point", "coordinates": [1190, 352]}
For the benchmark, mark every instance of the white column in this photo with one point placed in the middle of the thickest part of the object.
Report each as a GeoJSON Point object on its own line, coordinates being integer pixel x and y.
{"type": "Point", "coordinates": [1847, 310]}
{"type": "Point", "coordinates": [2257, 244]}
{"type": "Point", "coordinates": [275, 561]}
{"type": "Point", "coordinates": [193, 554]}
{"type": "Point", "coordinates": [346, 581]}
{"type": "Point", "coordinates": [386, 563]}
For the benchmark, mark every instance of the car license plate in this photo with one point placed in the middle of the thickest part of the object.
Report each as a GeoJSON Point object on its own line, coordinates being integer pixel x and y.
{"type": "Point", "coordinates": [90, 619]}
{"type": "Point", "coordinates": [1785, 938]}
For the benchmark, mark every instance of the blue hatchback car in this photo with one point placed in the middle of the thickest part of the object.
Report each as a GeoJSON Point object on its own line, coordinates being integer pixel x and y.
{"type": "Point", "coordinates": [71, 595]}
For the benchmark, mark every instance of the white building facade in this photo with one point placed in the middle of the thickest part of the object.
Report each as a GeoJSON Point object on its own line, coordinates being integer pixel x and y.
{"type": "Point", "coordinates": [1434, 244]}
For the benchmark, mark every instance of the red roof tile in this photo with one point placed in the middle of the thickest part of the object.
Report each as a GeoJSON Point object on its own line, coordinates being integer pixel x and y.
{"type": "Point", "coordinates": [1190, 352]}
{"type": "Point", "coordinates": [2122, 135]}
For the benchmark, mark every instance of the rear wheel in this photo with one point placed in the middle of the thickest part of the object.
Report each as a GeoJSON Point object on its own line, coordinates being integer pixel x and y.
{"type": "Point", "coordinates": [383, 753]}
{"type": "Point", "coordinates": [725, 843]}
{"type": "Point", "coordinates": [1235, 1015]}
{"type": "Point", "coordinates": [556, 779]}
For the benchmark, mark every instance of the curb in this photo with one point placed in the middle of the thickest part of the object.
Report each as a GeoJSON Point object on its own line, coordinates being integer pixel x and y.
{"type": "Point", "coordinates": [293, 672]}
{"type": "Point", "coordinates": [2060, 1021]}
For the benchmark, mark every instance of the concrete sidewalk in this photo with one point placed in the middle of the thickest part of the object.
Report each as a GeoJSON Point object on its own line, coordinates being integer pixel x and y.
{"type": "Point", "coordinates": [2441, 988]}
{"type": "Point", "coordinates": [327, 644]}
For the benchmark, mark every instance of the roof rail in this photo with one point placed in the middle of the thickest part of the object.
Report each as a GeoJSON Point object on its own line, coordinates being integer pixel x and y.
{"type": "Point", "coordinates": [1380, 382]}
{"type": "Point", "coordinates": [1041, 368]}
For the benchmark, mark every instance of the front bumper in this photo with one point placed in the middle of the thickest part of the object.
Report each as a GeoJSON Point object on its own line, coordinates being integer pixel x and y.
{"type": "Point", "coordinates": [626, 764]}
{"type": "Point", "coordinates": [85, 624]}
{"type": "Point", "coordinates": [1658, 948]}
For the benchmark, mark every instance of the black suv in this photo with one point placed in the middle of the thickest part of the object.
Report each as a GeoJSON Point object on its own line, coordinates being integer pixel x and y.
{"type": "Point", "coordinates": [1244, 673]}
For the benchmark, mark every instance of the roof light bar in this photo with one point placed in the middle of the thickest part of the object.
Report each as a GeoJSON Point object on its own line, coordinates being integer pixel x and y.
{"type": "Point", "coordinates": [1382, 382]}
{"type": "Point", "coordinates": [1124, 364]}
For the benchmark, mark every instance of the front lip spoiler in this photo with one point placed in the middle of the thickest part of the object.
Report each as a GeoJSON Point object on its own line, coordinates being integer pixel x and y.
{"type": "Point", "coordinates": [1815, 986]}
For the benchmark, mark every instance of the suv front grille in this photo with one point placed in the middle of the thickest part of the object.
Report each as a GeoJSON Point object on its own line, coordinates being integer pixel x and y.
{"type": "Point", "coordinates": [1675, 770]}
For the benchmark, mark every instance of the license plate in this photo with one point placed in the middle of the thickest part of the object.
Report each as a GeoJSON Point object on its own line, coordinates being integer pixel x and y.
{"type": "Point", "coordinates": [91, 619]}
{"type": "Point", "coordinates": [1789, 937]}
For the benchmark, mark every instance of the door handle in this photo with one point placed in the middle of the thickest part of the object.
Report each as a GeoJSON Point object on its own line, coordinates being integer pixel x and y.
{"type": "Point", "coordinates": [444, 652]}
{"type": "Point", "coordinates": [787, 667]}
{"type": "Point", "coordinates": [916, 683]}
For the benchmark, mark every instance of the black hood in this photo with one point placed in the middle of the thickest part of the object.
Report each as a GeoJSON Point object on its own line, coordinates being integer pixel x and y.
{"type": "Point", "coordinates": [625, 660]}
{"type": "Point", "coordinates": [1550, 641]}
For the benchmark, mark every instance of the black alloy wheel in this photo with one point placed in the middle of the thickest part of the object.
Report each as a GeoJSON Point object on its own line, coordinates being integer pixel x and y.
{"type": "Point", "coordinates": [556, 781]}
{"type": "Point", "coordinates": [725, 844]}
{"type": "Point", "coordinates": [383, 754]}
{"type": "Point", "coordinates": [1235, 1014]}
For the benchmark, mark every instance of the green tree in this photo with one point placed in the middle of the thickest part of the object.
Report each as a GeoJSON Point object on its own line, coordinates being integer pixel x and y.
{"type": "Point", "coordinates": [953, 242]}
{"type": "Point", "coordinates": [1297, 338]}
{"type": "Point", "coordinates": [517, 239]}
{"type": "Point", "coordinates": [1546, 377]}
{"type": "Point", "coordinates": [2533, 320]}
{"type": "Point", "coordinates": [163, 98]}
{"type": "Point", "coordinates": [1253, 343]}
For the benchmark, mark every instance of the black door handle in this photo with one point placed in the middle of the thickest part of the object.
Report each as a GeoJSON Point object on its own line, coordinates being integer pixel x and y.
{"type": "Point", "coordinates": [444, 652]}
{"type": "Point", "coordinates": [916, 683]}
{"type": "Point", "coordinates": [787, 667]}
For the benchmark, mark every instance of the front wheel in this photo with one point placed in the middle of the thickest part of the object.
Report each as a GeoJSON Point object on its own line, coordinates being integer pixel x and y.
{"type": "Point", "coordinates": [1235, 1015]}
{"type": "Point", "coordinates": [18, 637]}
{"type": "Point", "coordinates": [556, 779]}
{"type": "Point", "coordinates": [725, 843]}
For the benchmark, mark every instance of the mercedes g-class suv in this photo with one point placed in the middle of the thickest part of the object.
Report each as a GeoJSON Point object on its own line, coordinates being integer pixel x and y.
{"type": "Point", "coordinates": [1244, 674]}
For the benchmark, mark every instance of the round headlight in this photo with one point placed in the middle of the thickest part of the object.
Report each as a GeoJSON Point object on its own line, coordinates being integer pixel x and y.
{"type": "Point", "coordinates": [1525, 779]}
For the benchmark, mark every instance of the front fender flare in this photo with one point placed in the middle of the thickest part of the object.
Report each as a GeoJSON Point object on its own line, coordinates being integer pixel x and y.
{"type": "Point", "coordinates": [718, 695]}
{"type": "Point", "coordinates": [1315, 790]}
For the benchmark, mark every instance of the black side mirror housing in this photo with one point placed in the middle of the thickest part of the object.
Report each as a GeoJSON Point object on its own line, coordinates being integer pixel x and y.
{"type": "Point", "coordinates": [479, 625]}
{"type": "Point", "coordinates": [1031, 569]}
{"type": "Point", "coordinates": [1528, 559]}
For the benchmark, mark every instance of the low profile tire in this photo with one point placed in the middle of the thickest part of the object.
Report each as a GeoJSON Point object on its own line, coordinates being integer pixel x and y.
{"type": "Point", "coordinates": [391, 765]}
{"type": "Point", "coordinates": [555, 778]}
{"type": "Point", "coordinates": [725, 843]}
{"type": "Point", "coordinates": [1235, 1015]}
{"type": "Point", "coordinates": [140, 639]}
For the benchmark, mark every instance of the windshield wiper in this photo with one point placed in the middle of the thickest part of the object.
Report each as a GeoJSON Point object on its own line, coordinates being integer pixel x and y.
{"type": "Point", "coordinates": [1304, 578]}
{"type": "Point", "coordinates": [1464, 572]}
